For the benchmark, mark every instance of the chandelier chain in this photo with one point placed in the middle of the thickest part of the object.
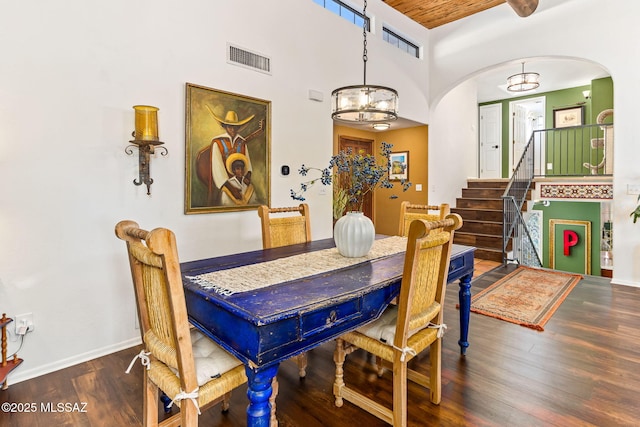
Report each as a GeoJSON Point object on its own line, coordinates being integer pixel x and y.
{"type": "Point", "coordinates": [364, 43]}
{"type": "Point", "coordinates": [364, 103]}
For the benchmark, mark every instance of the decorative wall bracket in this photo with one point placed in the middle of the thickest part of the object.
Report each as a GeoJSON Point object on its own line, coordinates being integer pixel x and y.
{"type": "Point", "coordinates": [146, 139]}
{"type": "Point", "coordinates": [145, 150]}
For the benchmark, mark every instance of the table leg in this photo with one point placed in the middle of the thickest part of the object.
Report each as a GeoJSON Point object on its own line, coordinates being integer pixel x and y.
{"type": "Point", "coordinates": [259, 392]}
{"type": "Point", "coordinates": [464, 297]}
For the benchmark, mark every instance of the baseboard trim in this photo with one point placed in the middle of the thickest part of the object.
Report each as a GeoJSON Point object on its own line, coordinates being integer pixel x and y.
{"type": "Point", "coordinates": [19, 375]}
{"type": "Point", "coordinates": [615, 281]}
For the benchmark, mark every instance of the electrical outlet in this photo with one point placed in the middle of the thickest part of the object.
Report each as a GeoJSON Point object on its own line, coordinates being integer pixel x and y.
{"type": "Point", "coordinates": [24, 320]}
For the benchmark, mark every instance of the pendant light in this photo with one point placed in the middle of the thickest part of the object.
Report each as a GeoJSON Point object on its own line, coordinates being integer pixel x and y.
{"type": "Point", "coordinates": [364, 103]}
{"type": "Point", "coordinates": [523, 82]}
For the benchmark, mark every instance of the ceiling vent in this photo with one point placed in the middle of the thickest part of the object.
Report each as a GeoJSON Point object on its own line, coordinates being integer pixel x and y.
{"type": "Point", "coordinates": [244, 58]}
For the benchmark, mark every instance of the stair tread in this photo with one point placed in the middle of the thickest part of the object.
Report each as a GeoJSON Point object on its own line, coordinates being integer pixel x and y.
{"type": "Point", "coordinates": [488, 249]}
{"type": "Point", "coordinates": [476, 209]}
{"type": "Point", "coordinates": [485, 190]}
{"type": "Point", "coordinates": [482, 221]}
{"type": "Point", "coordinates": [478, 234]}
{"type": "Point", "coordinates": [496, 252]}
{"type": "Point", "coordinates": [480, 198]}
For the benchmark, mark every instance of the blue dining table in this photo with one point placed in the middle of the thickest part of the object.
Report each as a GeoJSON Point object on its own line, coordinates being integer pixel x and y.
{"type": "Point", "coordinates": [265, 326]}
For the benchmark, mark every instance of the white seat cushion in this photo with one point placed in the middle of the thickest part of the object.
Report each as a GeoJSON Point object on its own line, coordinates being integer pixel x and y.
{"type": "Point", "coordinates": [384, 327]}
{"type": "Point", "coordinates": [210, 359]}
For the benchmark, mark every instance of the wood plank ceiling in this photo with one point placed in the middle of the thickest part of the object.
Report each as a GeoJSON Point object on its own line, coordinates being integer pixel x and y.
{"type": "Point", "coordinates": [433, 13]}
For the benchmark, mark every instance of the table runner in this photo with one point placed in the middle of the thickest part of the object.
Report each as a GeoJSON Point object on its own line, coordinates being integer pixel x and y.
{"type": "Point", "coordinates": [257, 276]}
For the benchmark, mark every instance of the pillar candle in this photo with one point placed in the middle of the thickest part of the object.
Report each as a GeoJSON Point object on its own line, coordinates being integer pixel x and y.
{"type": "Point", "coordinates": [146, 122]}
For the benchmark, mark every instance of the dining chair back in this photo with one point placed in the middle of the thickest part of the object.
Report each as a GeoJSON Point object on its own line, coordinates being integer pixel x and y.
{"type": "Point", "coordinates": [404, 330]}
{"type": "Point", "coordinates": [186, 366]}
{"type": "Point", "coordinates": [410, 212]}
{"type": "Point", "coordinates": [284, 226]}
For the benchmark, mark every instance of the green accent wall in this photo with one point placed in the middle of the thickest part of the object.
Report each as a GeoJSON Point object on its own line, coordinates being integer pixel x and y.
{"type": "Point", "coordinates": [577, 211]}
{"type": "Point", "coordinates": [601, 99]}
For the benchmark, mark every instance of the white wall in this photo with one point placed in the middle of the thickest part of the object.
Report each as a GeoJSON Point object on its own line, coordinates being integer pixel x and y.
{"type": "Point", "coordinates": [452, 156]}
{"type": "Point", "coordinates": [595, 30]}
{"type": "Point", "coordinates": [70, 73]}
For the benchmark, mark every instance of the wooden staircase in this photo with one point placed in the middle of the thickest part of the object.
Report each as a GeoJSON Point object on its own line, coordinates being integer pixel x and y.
{"type": "Point", "coordinates": [481, 210]}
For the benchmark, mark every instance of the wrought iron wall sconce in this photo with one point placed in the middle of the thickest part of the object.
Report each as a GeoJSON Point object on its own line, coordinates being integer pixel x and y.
{"type": "Point", "coordinates": [146, 139]}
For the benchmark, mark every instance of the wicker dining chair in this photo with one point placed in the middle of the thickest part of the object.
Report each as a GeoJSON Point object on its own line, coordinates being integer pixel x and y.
{"type": "Point", "coordinates": [189, 368]}
{"type": "Point", "coordinates": [410, 212]}
{"type": "Point", "coordinates": [406, 329]}
{"type": "Point", "coordinates": [282, 227]}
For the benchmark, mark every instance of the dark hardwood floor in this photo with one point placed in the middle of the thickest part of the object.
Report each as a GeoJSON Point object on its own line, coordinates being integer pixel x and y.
{"type": "Point", "coordinates": [583, 370]}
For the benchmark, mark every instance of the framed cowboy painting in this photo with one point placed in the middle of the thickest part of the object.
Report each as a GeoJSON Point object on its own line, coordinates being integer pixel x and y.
{"type": "Point", "coordinates": [227, 151]}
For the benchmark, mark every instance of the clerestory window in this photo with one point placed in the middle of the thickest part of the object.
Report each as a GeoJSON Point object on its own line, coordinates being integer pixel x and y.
{"type": "Point", "coordinates": [400, 42]}
{"type": "Point", "coordinates": [345, 11]}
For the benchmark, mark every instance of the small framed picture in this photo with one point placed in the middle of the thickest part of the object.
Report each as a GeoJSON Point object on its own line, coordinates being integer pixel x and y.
{"type": "Point", "coordinates": [567, 117]}
{"type": "Point", "coordinates": [399, 166]}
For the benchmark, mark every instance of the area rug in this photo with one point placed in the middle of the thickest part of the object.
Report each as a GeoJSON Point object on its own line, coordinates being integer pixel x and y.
{"type": "Point", "coordinates": [526, 296]}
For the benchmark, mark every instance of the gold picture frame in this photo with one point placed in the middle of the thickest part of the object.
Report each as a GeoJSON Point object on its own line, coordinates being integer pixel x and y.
{"type": "Point", "coordinates": [227, 149]}
{"type": "Point", "coordinates": [583, 229]}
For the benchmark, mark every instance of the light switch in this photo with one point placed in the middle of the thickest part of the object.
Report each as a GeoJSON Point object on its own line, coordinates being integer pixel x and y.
{"type": "Point", "coordinates": [633, 188]}
{"type": "Point", "coordinates": [418, 187]}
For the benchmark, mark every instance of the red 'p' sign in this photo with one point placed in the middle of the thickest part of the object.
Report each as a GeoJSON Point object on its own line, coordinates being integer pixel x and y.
{"type": "Point", "coordinates": [570, 239]}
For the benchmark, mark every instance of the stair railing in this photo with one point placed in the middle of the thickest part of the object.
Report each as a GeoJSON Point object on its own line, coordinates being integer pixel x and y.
{"type": "Point", "coordinates": [559, 152]}
{"type": "Point", "coordinates": [514, 227]}
{"type": "Point", "coordinates": [574, 151]}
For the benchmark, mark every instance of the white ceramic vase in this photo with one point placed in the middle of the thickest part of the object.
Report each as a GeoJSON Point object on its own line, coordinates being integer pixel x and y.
{"type": "Point", "coordinates": [354, 234]}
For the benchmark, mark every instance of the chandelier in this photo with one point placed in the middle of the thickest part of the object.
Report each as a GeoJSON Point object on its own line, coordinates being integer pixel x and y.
{"type": "Point", "coordinates": [364, 103]}
{"type": "Point", "coordinates": [523, 82]}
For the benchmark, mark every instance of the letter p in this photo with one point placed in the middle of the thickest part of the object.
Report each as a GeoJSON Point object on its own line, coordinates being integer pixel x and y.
{"type": "Point", "coordinates": [570, 239]}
